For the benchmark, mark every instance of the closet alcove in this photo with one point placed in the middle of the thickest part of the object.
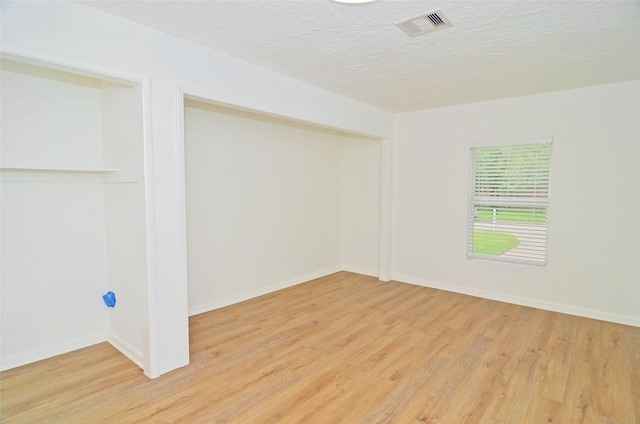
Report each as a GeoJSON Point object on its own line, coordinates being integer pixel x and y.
{"type": "Point", "coordinates": [272, 202]}
{"type": "Point", "coordinates": [72, 208]}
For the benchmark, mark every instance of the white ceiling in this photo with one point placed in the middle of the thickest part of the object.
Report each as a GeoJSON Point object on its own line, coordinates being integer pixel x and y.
{"type": "Point", "coordinates": [495, 49]}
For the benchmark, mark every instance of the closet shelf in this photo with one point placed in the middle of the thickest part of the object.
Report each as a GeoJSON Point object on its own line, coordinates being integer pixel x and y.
{"type": "Point", "coordinates": [61, 170]}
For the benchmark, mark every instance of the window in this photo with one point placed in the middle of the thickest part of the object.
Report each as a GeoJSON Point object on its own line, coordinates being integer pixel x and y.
{"type": "Point", "coordinates": [509, 201]}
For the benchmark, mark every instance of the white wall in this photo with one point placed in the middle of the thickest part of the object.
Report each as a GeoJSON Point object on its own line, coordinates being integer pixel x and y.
{"type": "Point", "coordinates": [77, 36]}
{"type": "Point", "coordinates": [361, 203]}
{"type": "Point", "coordinates": [263, 204]}
{"type": "Point", "coordinates": [124, 216]}
{"type": "Point", "coordinates": [53, 224]}
{"type": "Point", "coordinates": [125, 268]}
{"type": "Point", "coordinates": [594, 228]}
{"type": "Point", "coordinates": [53, 269]}
{"type": "Point", "coordinates": [44, 109]}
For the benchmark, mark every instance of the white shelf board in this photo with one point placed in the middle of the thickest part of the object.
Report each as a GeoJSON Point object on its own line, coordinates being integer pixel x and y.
{"type": "Point", "coordinates": [67, 170]}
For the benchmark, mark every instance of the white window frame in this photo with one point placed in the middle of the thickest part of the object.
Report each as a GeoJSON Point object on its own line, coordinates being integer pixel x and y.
{"type": "Point", "coordinates": [526, 229]}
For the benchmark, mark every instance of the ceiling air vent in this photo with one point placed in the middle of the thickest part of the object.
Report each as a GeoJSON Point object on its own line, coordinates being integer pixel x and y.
{"type": "Point", "coordinates": [423, 24]}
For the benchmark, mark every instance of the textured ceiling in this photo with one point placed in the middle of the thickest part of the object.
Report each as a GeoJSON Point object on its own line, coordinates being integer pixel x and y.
{"type": "Point", "coordinates": [495, 49]}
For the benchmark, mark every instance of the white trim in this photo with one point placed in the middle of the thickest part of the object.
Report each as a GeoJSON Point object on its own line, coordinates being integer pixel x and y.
{"type": "Point", "coordinates": [126, 349]}
{"type": "Point", "coordinates": [51, 351]}
{"type": "Point", "coordinates": [215, 98]}
{"type": "Point", "coordinates": [230, 300]}
{"type": "Point", "coordinates": [524, 301]}
{"type": "Point", "coordinates": [386, 209]}
{"type": "Point", "coordinates": [505, 261]}
{"type": "Point", "coordinates": [70, 66]}
{"type": "Point", "coordinates": [512, 142]}
{"type": "Point", "coordinates": [150, 351]}
{"type": "Point", "coordinates": [363, 271]}
{"type": "Point", "coordinates": [61, 170]}
{"type": "Point", "coordinates": [182, 227]}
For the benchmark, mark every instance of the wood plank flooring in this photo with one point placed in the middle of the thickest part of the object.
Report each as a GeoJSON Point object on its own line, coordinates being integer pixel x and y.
{"type": "Point", "coordinates": [350, 349]}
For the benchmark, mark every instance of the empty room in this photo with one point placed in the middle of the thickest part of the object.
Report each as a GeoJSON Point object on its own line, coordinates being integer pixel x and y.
{"type": "Point", "coordinates": [320, 211]}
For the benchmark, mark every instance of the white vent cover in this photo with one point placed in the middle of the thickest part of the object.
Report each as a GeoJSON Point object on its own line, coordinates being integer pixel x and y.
{"type": "Point", "coordinates": [423, 24]}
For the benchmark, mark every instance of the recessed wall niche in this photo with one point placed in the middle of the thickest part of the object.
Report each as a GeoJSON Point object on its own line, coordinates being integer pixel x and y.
{"type": "Point", "coordinates": [72, 212]}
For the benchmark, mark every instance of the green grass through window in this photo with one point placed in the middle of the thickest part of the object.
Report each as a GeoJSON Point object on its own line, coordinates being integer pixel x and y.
{"type": "Point", "coordinates": [493, 243]}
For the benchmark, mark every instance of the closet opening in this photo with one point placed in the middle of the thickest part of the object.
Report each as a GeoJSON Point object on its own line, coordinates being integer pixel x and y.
{"type": "Point", "coordinates": [73, 211]}
{"type": "Point", "coordinates": [272, 202]}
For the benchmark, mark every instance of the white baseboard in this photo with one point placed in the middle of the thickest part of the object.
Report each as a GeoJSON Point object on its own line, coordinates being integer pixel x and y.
{"type": "Point", "coordinates": [50, 351]}
{"type": "Point", "coordinates": [534, 303]}
{"type": "Point", "coordinates": [241, 297]}
{"type": "Point", "coordinates": [127, 350]}
{"type": "Point", "coordinates": [363, 271]}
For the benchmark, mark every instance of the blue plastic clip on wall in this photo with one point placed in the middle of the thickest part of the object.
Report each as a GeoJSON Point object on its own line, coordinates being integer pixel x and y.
{"type": "Point", "coordinates": [109, 299]}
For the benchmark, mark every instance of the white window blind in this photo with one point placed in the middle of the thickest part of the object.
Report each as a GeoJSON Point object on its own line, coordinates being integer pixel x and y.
{"type": "Point", "coordinates": [509, 201]}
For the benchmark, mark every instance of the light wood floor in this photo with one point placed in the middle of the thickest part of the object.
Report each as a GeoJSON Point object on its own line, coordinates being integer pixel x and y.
{"type": "Point", "coordinates": [350, 349]}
